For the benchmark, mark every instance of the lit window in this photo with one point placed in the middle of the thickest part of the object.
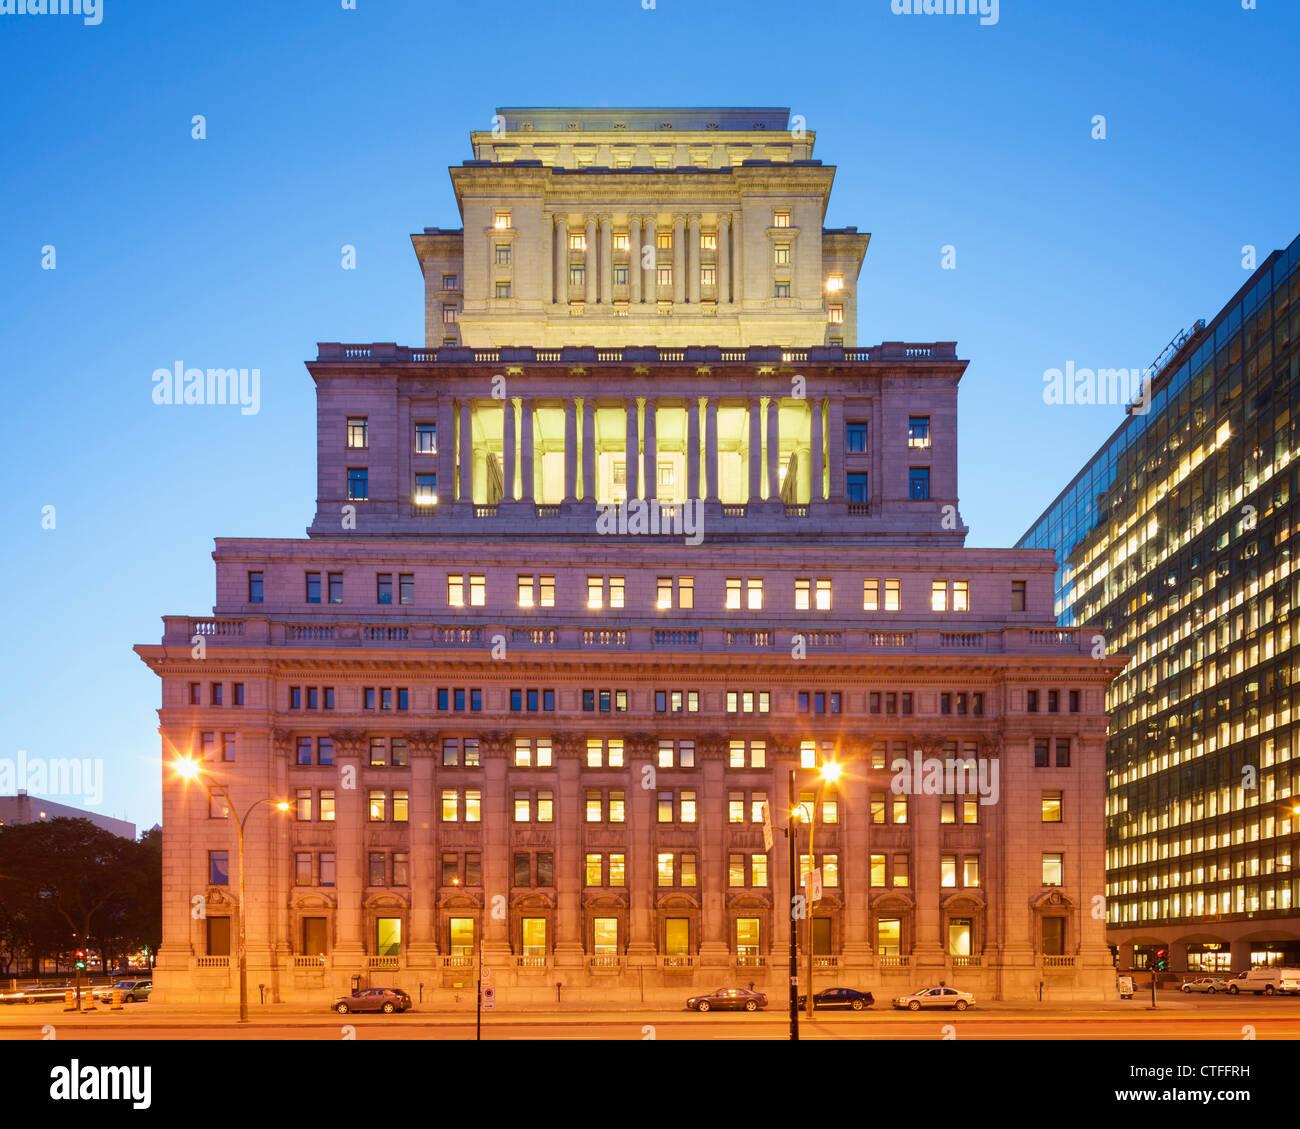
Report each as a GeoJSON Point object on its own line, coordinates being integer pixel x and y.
{"type": "Point", "coordinates": [664, 240]}
{"type": "Point", "coordinates": [948, 870]}
{"type": "Point", "coordinates": [961, 595]}
{"type": "Point", "coordinates": [918, 431]}
{"type": "Point", "coordinates": [835, 315]}
{"type": "Point", "coordinates": [970, 871]}
{"type": "Point", "coordinates": [733, 593]}
{"type": "Point", "coordinates": [686, 592]}
{"type": "Point", "coordinates": [621, 242]}
{"type": "Point", "coordinates": [708, 276]}
{"type": "Point", "coordinates": [892, 596]}
{"type": "Point", "coordinates": [578, 242]}
{"type": "Point", "coordinates": [665, 276]}
{"type": "Point", "coordinates": [426, 491]}
{"type": "Point", "coordinates": [477, 591]}
{"type": "Point", "coordinates": [665, 593]}
{"type": "Point", "coordinates": [665, 868]}
{"type": "Point", "coordinates": [938, 596]}
{"type": "Point", "coordinates": [501, 220]}
{"type": "Point", "coordinates": [615, 591]}
{"type": "Point", "coordinates": [1051, 807]}
{"type": "Point", "coordinates": [802, 595]}
{"type": "Point", "coordinates": [754, 592]}
{"type": "Point", "coordinates": [525, 591]}
{"type": "Point", "coordinates": [456, 590]}
{"type": "Point", "coordinates": [547, 586]}
{"type": "Point", "coordinates": [782, 254]}
{"type": "Point", "coordinates": [357, 432]}
{"type": "Point", "coordinates": [824, 595]}
{"type": "Point", "coordinates": [781, 219]}
{"type": "Point", "coordinates": [870, 595]}
{"type": "Point", "coordinates": [1053, 870]}
{"type": "Point", "coordinates": [835, 283]}
{"type": "Point", "coordinates": [708, 241]}
{"type": "Point", "coordinates": [523, 807]}
{"type": "Point", "coordinates": [595, 592]}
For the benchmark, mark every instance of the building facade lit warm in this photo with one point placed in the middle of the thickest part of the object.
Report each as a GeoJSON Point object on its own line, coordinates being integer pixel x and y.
{"type": "Point", "coordinates": [589, 574]}
{"type": "Point", "coordinates": [1174, 544]}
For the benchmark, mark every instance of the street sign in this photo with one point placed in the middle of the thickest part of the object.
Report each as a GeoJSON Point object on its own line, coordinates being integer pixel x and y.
{"type": "Point", "coordinates": [815, 885]}
{"type": "Point", "coordinates": [485, 974]}
{"type": "Point", "coordinates": [489, 997]}
{"type": "Point", "coordinates": [767, 827]}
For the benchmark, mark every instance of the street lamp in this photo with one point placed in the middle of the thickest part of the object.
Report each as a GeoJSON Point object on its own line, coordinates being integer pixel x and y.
{"type": "Point", "coordinates": [189, 770]}
{"type": "Point", "coordinates": [829, 774]}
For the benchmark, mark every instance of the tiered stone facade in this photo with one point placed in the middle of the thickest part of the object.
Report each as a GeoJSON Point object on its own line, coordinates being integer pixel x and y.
{"type": "Point", "coordinates": [505, 726]}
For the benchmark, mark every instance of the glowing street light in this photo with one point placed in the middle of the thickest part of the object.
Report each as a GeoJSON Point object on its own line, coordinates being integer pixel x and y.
{"type": "Point", "coordinates": [188, 769]}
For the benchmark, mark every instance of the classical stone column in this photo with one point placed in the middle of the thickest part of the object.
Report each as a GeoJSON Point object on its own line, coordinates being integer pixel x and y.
{"type": "Point", "coordinates": [590, 260]}
{"type": "Point", "coordinates": [495, 812]}
{"type": "Point", "coordinates": [526, 454]}
{"type": "Point", "coordinates": [815, 492]}
{"type": "Point", "coordinates": [562, 260]}
{"type": "Point", "coordinates": [466, 493]}
{"type": "Point", "coordinates": [927, 947]}
{"type": "Point", "coordinates": [422, 748]}
{"type": "Point", "coordinates": [349, 847]}
{"type": "Point", "coordinates": [714, 942]}
{"type": "Point", "coordinates": [548, 275]}
{"type": "Point", "coordinates": [639, 852]}
{"type": "Point", "coordinates": [738, 257]}
{"type": "Point", "coordinates": [588, 450]}
{"type": "Point", "coordinates": [634, 260]}
{"type": "Point", "coordinates": [692, 261]}
{"type": "Point", "coordinates": [651, 452]}
{"type": "Point", "coordinates": [755, 455]}
{"type": "Point", "coordinates": [570, 927]}
{"type": "Point", "coordinates": [446, 458]}
{"type": "Point", "coordinates": [711, 447]}
{"type": "Point", "coordinates": [632, 452]}
{"type": "Point", "coordinates": [773, 450]}
{"type": "Point", "coordinates": [606, 260]}
{"type": "Point", "coordinates": [508, 448]}
{"type": "Point", "coordinates": [723, 290]}
{"type": "Point", "coordinates": [679, 260]}
{"type": "Point", "coordinates": [570, 449]}
{"type": "Point", "coordinates": [692, 448]}
{"type": "Point", "coordinates": [835, 447]}
{"type": "Point", "coordinates": [651, 293]}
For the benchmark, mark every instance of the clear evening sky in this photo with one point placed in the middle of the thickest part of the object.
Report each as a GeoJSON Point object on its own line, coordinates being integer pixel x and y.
{"type": "Point", "coordinates": [328, 126]}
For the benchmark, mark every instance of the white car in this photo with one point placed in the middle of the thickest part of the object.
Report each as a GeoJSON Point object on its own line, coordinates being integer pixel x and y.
{"type": "Point", "coordinates": [940, 996]}
{"type": "Point", "coordinates": [1209, 984]}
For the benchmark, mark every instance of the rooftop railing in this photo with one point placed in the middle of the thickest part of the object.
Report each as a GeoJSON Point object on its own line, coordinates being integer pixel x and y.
{"type": "Point", "coordinates": [640, 354]}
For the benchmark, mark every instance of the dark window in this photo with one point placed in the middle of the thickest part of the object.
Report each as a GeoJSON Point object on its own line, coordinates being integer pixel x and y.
{"type": "Point", "coordinates": [945, 703]}
{"type": "Point", "coordinates": [1063, 752]}
{"type": "Point", "coordinates": [218, 868]}
{"type": "Point", "coordinates": [532, 701]}
{"type": "Point", "coordinates": [255, 587]}
{"type": "Point", "coordinates": [385, 698]}
{"type": "Point", "coordinates": [918, 483]}
{"type": "Point", "coordinates": [978, 709]}
{"type": "Point", "coordinates": [403, 698]}
{"type": "Point", "coordinates": [548, 699]}
{"type": "Point", "coordinates": [1074, 701]}
{"type": "Point", "coordinates": [589, 700]}
{"type": "Point", "coordinates": [312, 698]}
{"type": "Point", "coordinates": [329, 697]}
{"type": "Point", "coordinates": [376, 868]}
{"type": "Point", "coordinates": [458, 698]}
{"type": "Point", "coordinates": [516, 699]}
{"type": "Point", "coordinates": [1041, 757]}
{"type": "Point", "coordinates": [237, 694]}
{"type": "Point", "coordinates": [476, 699]}
{"type": "Point", "coordinates": [426, 439]}
{"type": "Point", "coordinates": [325, 750]}
{"type": "Point", "coordinates": [215, 694]}
{"type": "Point", "coordinates": [335, 587]}
{"type": "Point", "coordinates": [406, 586]}
{"type": "Point", "coordinates": [450, 870]}
{"type": "Point", "coordinates": [661, 701]}
{"type": "Point", "coordinates": [875, 701]}
{"type": "Point", "coordinates": [368, 698]}
{"type": "Point", "coordinates": [1053, 701]}
{"type": "Point", "coordinates": [295, 697]}
{"type": "Point", "coordinates": [522, 870]}
{"type": "Point", "coordinates": [1031, 701]}
{"type": "Point", "coordinates": [856, 485]}
{"type": "Point", "coordinates": [1017, 595]}
{"type": "Point", "coordinates": [313, 588]}
{"type": "Point", "coordinates": [855, 438]}
{"type": "Point", "coordinates": [604, 701]}
{"type": "Point", "coordinates": [304, 750]}
{"type": "Point", "coordinates": [358, 484]}
{"type": "Point", "coordinates": [473, 869]}
{"type": "Point", "coordinates": [546, 869]}
{"type": "Point", "coordinates": [907, 703]}
{"type": "Point", "coordinates": [442, 699]}
{"type": "Point", "coordinates": [384, 588]}
{"type": "Point", "coordinates": [803, 701]}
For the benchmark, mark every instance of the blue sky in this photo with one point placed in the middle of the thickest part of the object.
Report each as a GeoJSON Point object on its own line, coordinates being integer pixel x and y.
{"type": "Point", "coordinates": [328, 126]}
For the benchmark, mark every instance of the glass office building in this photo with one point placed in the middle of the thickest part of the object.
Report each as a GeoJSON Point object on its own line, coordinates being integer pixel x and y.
{"type": "Point", "coordinates": [1174, 542]}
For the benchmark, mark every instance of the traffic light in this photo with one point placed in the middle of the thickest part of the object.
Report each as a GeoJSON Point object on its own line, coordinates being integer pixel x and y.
{"type": "Point", "coordinates": [1162, 960]}
{"type": "Point", "coordinates": [81, 959]}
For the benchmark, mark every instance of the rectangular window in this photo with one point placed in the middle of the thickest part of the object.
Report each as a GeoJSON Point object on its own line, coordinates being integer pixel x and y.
{"type": "Point", "coordinates": [1051, 807]}
{"type": "Point", "coordinates": [1042, 758]}
{"type": "Point", "coordinates": [961, 595]}
{"type": "Point", "coordinates": [1017, 595]}
{"type": "Point", "coordinates": [357, 429]}
{"type": "Point", "coordinates": [855, 487]}
{"type": "Point", "coordinates": [877, 869]}
{"type": "Point", "coordinates": [358, 484]}
{"type": "Point", "coordinates": [449, 315]}
{"type": "Point", "coordinates": [377, 868]}
{"type": "Point", "coordinates": [708, 276]}
{"type": "Point", "coordinates": [501, 221]}
{"type": "Point", "coordinates": [781, 290]}
{"type": "Point", "coordinates": [384, 588]}
{"type": "Point", "coordinates": [754, 593]}
{"type": "Point", "coordinates": [893, 595]}
{"type": "Point", "coordinates": [302, 868]}
{"type": "Point", "coordinates": [947, 870]}
{"type": "Point", "coordinates": [502, 254]}
{"type": "Point", "coordinates": [835, 315]}
{"type": "Point", "coordinates": [426, 489]}
{"type": "Point", "coordinates": [406, 587]}
{"type": "Point", "coordinates": [327, 868]}
{"type": "Point", "coordinates": [1062, 752]}
{"type": "Point", "coordinates": [255, 587]}
{"type": "Point", "coordinates": [918, 431]}
{"type": "Point", "coordinates": [664, 868]}
{"type": "Point", "coordinates": [1053, 869]}
{"type": "Point", "coordinates": [502, 290]}
{"type": "Point", "coordinates": [327, 805]}
{"type": "Point", "coordinates": [617, 870]}
{"type": "Point", "coordinates": [1031, 701]}
{"type": "Point", "coordinates": [218, 868]}
{"type": "Point", "coordinates": [426, 438]}
{"type": "Point", "coordinates": [733, 593]}
{"type": "Point", "coordinates": [938, 596]}
{"type": "Point", "coordinates": [970, 871]}
{"type": "Point", "coordinates": [237, 694]}
{"type": "Point", "coordinates": [664, 276]}
{"type": "Point", "coordinates": [524, 589]}
{"type": "Point", "coordinates": [455, 590]}
{"type": "Point", "coordinates": [781, 219]}
{"type": "Point", "coordinates": [901, 871]}
{"type": "Point", "coordinates": [313, 587]}
{"type": "Point", "coordinates": [918, 483]}
{"type": "Point", "coordinates": [477, 591]}
{"type": "Point", "coordinates": [595, 592]}
{"type": "Point", "coordinates": [545, 806]}
{"type": "Point", "coordinates": [620, 275]}
{"type": "Point", "coordinates": [781, 256]}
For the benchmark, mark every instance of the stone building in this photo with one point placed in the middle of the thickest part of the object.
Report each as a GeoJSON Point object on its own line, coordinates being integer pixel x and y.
{"type": "Point", "coordinates": [597, 581]}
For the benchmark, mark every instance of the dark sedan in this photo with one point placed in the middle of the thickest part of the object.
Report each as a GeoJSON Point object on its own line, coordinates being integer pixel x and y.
{"type": "Point", "coordinates": [839, 997]}
{"type": "Point", "coordinates": [387, 1000]}
{"type": "Point", "coordinates": [728, 999]}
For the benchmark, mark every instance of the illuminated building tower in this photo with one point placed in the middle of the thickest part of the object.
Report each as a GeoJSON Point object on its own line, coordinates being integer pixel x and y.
{"type": "Point", "coordinates": [639, 529]}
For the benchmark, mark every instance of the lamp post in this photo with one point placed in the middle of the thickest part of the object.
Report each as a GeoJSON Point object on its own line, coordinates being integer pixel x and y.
{"type": "Point", "coordinates": [829, 774]}
{"type": "Point", "coordinates": [191, 771]}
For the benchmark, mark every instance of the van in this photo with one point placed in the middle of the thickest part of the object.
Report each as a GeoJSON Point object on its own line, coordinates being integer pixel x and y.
{"type": "Point", "coordinates": [1266, 981]}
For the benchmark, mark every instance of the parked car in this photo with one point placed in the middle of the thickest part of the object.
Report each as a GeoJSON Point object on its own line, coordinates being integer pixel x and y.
{"type": "Point", "coordinates": [1208, 984]}
{"type": "Point", "coordinates": [940, 996]}
{"type": "Point", "coordinates": [839, 997]}
{"type": "Point", "coordinates": [132, 991]}
{"type": "Point", "coordinates": [1267, 981]}
{"type": "Point", "coordinates": [728, 999]}
{"type": "Point", "coordinates": [387, 1000]}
